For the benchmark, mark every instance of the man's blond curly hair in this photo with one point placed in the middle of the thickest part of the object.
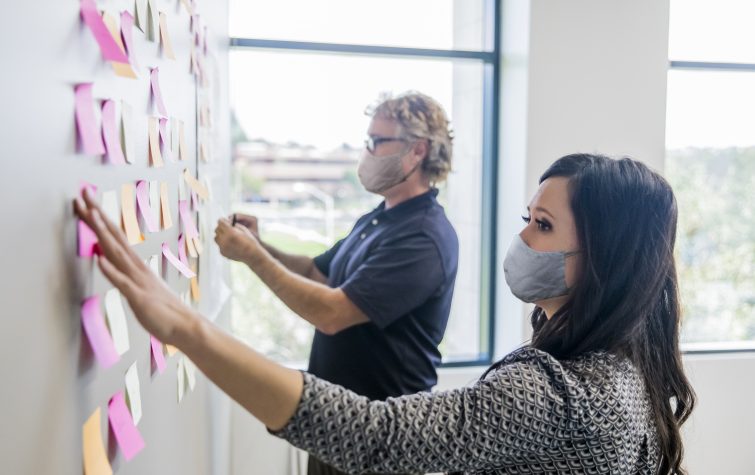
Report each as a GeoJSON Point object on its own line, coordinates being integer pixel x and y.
{"type": "Point", "coordinates": [420, 117]}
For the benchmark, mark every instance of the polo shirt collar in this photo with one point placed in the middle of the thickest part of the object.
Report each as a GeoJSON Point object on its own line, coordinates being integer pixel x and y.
{"type": "Point", "coordinates": [406, 208]}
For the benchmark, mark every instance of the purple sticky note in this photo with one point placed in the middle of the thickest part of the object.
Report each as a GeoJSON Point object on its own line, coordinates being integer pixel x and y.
{"type": "Point", "coordinates": [89, 136]}
{"type": "Point", "coordinates": [127, 28]}
{"type": "Point", "coordinates": [109, 48]}
{"type": "Point", "coordinates": [87, 240]}
{"type": "Point", "coordinates": [142, 199]}
{"type": "Point", "coordinates": [111, 134]}
{"type": "Point", "coordinates": [189, 227]}
{"type": "Point", "coordinates": [129, 439]}
{"type": "Point", "coordinates": [156, 94]}
{"type": "Point", "coordinates": [164, 139]}
{"type": "Point", "coordinates": [157, 353]}
{"type": "Point", "coordinates": [176, 262]}
{"type": "Point", "coordinates": [96, 331]}
{"type": "Point", "coordinates": [182, 250]}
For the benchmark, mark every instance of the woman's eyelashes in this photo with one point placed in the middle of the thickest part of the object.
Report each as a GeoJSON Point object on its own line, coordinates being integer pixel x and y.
{"type": "Point", "coordinates": [542, 224]}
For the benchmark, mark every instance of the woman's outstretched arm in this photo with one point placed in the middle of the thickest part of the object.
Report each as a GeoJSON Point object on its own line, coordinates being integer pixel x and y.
{"type": "Point", "coordinates": [267, 390]}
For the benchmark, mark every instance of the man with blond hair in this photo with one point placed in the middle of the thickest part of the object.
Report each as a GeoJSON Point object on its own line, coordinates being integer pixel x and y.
{"type": "Point", "coordinates": [379, 298]}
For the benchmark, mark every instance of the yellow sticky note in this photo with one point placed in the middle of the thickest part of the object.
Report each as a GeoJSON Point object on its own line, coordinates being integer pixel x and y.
{"type": "Point", "coordinates": [154, 143]}
{"type": "Point", "coordinates": [95, 457]}
{"type": "Point", "coordinates": [172, 350]}
{"type": "Point", "coordinates": [195, 295]}
{"type": "Point", "coordinates": [195, 185]}
{"type": "Point", "coordinates": [165, 37]}
{"type": "Point", "coordinates": [203, 153]}
{"type": "Point", "coordinates": [183, 153]}
{"type": "Point", "coordinates": [121, 69]}
{"type": "Point", "coordinates": [167, 219]}
{"type": "Point", "coordinates": [198, 245]}
{"type": "Point", "coordinates": [190, 248]}
{"type": "Point", "coordinates": [128, 210]}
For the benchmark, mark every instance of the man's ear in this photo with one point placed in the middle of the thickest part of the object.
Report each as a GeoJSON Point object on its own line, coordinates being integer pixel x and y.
{"type": "Point", "coordinates": [422, 148]}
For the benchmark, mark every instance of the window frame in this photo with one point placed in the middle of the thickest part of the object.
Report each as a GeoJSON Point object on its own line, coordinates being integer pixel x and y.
{"type": "Point", "coordinates": [491, 64]}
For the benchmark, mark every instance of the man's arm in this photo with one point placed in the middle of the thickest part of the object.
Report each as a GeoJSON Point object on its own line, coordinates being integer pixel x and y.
{"type": "Point", "coordinates": [328, 309]}
{"type": "Point", "coordinates": [298, 264]}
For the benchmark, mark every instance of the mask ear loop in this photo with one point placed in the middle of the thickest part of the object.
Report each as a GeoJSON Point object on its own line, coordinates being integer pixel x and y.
{"type": "Point", "coordinates": [572, 253]}
{"type": "Point", "coordinates": [414, 169]}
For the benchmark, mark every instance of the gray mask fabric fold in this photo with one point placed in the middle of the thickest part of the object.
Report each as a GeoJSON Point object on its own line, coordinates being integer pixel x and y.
{"type": "Point", "coordinates": [535, 275]}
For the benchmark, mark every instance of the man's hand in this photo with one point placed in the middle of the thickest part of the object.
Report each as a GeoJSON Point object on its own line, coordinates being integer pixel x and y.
{"type": "Point", "coordinates": [237, 243]}
{"type": "Point", "coordinates": [249, 222]}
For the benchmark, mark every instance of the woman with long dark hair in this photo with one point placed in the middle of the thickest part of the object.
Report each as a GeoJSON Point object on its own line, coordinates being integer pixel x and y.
{"type": "Point", "coordinates": [600, 389]}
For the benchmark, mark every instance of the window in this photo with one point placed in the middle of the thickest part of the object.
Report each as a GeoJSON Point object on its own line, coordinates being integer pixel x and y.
{"type": "Point", "coordinates": [299, 93]}
{"type": "Point", "coordinates": [710, 162]}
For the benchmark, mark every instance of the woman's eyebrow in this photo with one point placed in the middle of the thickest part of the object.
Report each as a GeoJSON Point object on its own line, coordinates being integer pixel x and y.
{"type": "Point", "coordinates": [543, 210]}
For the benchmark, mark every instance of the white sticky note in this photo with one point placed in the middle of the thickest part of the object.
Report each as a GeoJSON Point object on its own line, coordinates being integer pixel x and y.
{"type": "Point", "coordinates": [116, 320]}
{"type": "Point", "coordinates": [111, 206]}
{"type": "Point", "coordinates": [181, 373]}
{"type": "Point", "coordinates": [127, 132]}
{"type": "Point", "coordinates": [191, 372]}
{"type": "Point", "coordinates": [154, 264]}
{"type": "Point", "coordinates": [133, 393]}
{"type": "Point", "coordinates": [154, 199]}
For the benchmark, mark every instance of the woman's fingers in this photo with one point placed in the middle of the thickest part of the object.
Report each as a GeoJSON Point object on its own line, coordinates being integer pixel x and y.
{"type": "Point", "coordinates": [120, 280]}
{"type": "Point", "coordinates": [117, 253]}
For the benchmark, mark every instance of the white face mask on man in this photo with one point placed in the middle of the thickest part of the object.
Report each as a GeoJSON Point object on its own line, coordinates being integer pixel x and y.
{"type": "Point", "coordinates": [378, 173]}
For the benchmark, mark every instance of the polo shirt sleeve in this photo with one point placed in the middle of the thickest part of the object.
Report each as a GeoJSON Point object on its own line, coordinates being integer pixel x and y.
{"type": "Point", "coordinates": [322, 262]}
{"type": "Point", "coordinates": [398, 276]}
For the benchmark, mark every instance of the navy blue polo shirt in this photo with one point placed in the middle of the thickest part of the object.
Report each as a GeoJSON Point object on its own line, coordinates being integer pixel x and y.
{"type": "Point", "coordinates": [398, 266]}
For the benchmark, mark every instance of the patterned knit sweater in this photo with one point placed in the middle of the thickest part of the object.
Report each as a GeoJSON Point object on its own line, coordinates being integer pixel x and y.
{"type": "Point", "coordinates": [533, 414]}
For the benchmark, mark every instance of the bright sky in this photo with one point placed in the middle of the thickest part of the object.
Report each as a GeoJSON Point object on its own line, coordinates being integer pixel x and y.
{"type": "Point", "coordinates": [320, 99]}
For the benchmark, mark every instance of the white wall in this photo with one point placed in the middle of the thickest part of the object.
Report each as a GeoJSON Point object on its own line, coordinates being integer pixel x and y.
{"type": "Point", "coordinates": [580, 76]}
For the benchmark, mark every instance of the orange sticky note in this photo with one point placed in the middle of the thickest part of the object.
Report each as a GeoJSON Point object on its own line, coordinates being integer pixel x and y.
{"type": "Point", "coordinates": [155, 155]}
{"type": "Point", "coordinates": [165, 38]}
{"type": "Point", "coordinates": [195, 185]}
{"type": "Point", "coordinates": [195, 295]}
{"type": "Point", "coordinates": [197, 245]}
{"type": "Point", "coordinates": [183, 153]}
{"type": "Point", "coordinates": [128, 210]}
{"type": "Point", "coordinates": [95, 456]}
{"type": "Point", "coordinates": [167, 219]}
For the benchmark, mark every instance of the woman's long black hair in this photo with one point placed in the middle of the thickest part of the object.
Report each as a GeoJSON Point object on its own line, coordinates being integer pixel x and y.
{"type": "Point", "coordinates": [625, 300]}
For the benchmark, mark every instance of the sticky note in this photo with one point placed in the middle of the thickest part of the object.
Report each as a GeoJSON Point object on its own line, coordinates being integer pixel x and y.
{"type": "Point", "coordinates": [110, 206]}
{"type": "Point", "coordinates": [172, 350]}
{"type": "Point", "coordinates": [176, 262]}
{"type": "Point", "coordinates": [157, 95]}
{"type": "Point", "coordinates": [120, 68]}
{"type": "Point", "coordinates": [127, 131]}
{"type": "Point", "coordinates": [96, 331]}
{"type": "Point", "coordinates": [154, 264]}
{"type": "Point", "coordinates": [126, 434]}
{"type": "Point", "coordinates": [116, 320]}
{"type": "Point", "coordinates": [181, 379]}
{"type": "Point", "coordinates": [154, 199]}
{"type": "Point", "coordinates": [94, 454]}
{"type": "Point", "coordinates": [155, 155]}
{"type": "Point", "coordinates": [87, 240]}
{"type": "Point", "coordinates": [196, 185]}
{"type": "Point", "coordinates": [140, 15]}
{"type": "Point", "coordinates": [183, 152]}
{"type": "Point", "coordinates": [191, 371]}
{"type": "Point", "coordinates": [127, 29]}
{"type": "Point", "coordinates": [110, 133]}
{"type": "Point", "coordinates": [88, 130]}
{"type": "Point", "coordinates": [151, 21]}
{"type": "Point", "coordinates": [189, 8]}
{"type": "Point", "coordinates": [163, 122]}
{"type": "Point", "coordinates": [195, 295]}
{"type": "Point", "coordinates": [197, 245]}
{"type": "Point", "coordinates": [108, 46]}
{"type": "Point", "coordinates": [167, 219]}
{"type": "Point", "coordinates": [142, 199]}
{"type": "Point", "coordinates": [188, 222]}
{"type": "Point", "coordinates": [203, 153]}
{"type": "Point", "coordinates": [157, 353]}
{"type": "Point", "coordinates": [191, 249]}
{"type": "Point", "coordinates": [128, 210]}
{"type": "Point", "coordinates": [133, 393]}
{"type": "Point", "coordinates": [182, 250]}
{"type": "Point", "coordinates": [165, 37]}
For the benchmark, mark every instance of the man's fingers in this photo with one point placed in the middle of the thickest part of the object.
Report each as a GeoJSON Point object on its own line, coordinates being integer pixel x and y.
{"type": "Point", "coordinates": [120, 280]}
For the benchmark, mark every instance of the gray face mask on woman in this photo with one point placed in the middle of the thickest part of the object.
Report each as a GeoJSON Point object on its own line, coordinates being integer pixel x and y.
{"type": "Point", "coordinates": [378, 173]}
{"type": "Point", "coordinates": [534, 275]}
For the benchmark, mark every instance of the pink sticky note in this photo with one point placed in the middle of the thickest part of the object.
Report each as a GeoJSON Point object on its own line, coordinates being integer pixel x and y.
{"type": "Point", "coordinates": [165, 140]}
{"type": "Point", "coordinates": [176, 262]}
{"type": "Point", "coordinates": [111, 134]}
{"type": "Point", "coordinates": [182, 250]}
{"type": "Point", "coordinates": [86, 238]}
{"type": "Point", "coordinates": [189, 227]}
{"type": "Point", "coordinates": [109, 48]}
{"type": "Point", "coordinates": [142, 199]}
{"type": "Point", "coordinates": [96, 331]}
{"type": "Point", "coordinates": [127, 28]}
{"type": "Point", "coordinates": [129, 439]}
{"type": "Point", "coordinates": [158, 97]}
{"type": "Point", "coordinates": [157, 353]}
{"type": "Point", "coordinates": [89, 136]}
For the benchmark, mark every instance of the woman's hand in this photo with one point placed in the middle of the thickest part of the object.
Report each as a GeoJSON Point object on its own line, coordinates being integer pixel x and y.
{"type": "Point", "coordinates": [154, 304]}
{"type": "Point", "coordinates": [237, 243]}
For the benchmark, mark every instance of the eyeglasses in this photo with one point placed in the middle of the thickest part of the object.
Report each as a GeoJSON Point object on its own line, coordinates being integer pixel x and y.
{"type": "Point", "coordinates": [372, 143]}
